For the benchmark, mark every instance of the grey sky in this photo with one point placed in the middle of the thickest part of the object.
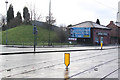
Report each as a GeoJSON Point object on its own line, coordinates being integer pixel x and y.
{"type": "Point", "coordinates": [69, 11]}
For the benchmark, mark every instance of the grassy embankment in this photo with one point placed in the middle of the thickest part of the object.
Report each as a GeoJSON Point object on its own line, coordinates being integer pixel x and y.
{"type": "Point", "coordinates": [23, 35]}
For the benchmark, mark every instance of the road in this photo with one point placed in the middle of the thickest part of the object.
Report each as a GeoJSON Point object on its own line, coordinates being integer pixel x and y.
{"type": "Point", "coordinates": [83, 64]}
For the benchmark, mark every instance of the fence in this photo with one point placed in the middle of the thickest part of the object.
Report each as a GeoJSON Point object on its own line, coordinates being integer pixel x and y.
{"type": "Point", "coordinates": [41, 44]}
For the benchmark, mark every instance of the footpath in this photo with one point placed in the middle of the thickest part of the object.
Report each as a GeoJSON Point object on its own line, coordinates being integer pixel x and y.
{"type": "Point", "coordinates": [9, 50]}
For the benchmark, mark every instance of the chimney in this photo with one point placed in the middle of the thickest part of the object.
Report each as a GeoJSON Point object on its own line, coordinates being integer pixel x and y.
{"type": "Point", "coordinates": [111, 22]}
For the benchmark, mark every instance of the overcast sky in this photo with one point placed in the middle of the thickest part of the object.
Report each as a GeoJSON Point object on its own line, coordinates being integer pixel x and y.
{"type": "Point", "coordinates": [68, 11]}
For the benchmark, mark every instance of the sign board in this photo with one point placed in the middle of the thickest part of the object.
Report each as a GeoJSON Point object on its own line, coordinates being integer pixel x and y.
{"type": "Point", "coordinates": [101, 40]}
{"type": "Point", "coordinates": [72, 39]}
{"type": "Point", "coordinates": [67, 59]}
{"type": "Point", "coordinates": [80, 32]}
{"type": "Point", "coordinates": [104, 33]}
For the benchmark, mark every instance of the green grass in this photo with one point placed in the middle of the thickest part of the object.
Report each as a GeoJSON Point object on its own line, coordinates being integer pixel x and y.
{"type": "Point", "coordinates": [0, 37]}
{"type": "Point", "coordinates": [24, 35]}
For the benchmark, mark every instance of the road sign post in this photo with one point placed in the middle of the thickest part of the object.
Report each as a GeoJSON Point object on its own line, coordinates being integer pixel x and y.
{"type": "Point", "coordinates": [67, 59]}
{"type": "Point", "coordinates": [35, 37]}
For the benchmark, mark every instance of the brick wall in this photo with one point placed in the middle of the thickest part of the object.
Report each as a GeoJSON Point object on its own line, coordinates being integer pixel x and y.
{"type": "Point", "coordinates": [114, 33]}
{"type": "Point", "coordinates": [106, 38]}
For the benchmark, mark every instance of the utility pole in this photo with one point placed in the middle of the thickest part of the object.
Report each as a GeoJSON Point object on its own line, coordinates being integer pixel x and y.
{"type": "Point", "coordinates": [49, 43]}
{"type": "Point", "coordinates": [6, 23]}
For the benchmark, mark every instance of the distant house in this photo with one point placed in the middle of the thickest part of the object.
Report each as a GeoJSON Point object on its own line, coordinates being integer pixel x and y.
{"type": "Point", "coordinates": [89, 32]}
{"type": "Point", "coordinates": [115, 32]}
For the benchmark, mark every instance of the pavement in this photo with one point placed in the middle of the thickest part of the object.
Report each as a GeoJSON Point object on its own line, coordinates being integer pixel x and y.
{"type": "Point", "coordinates": [8, 50]}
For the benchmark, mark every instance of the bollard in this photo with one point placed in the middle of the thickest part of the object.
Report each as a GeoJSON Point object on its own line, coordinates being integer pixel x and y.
{"type": "Point", "coordinates": [67, 60]}
{"type": "Point", "coordinates": [101, 46]}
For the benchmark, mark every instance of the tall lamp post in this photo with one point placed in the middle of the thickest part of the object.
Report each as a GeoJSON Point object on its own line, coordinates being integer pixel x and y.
{"type": "Point", "coordinates": [6, 23]}
{"type": "Point", "coordinates": [49, 22]}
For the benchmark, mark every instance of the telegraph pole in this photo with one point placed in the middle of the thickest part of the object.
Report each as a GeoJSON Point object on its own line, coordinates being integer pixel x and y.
{"type": "Point", "coordinates": [49, 43]}
{"type": "Point", "coordinates": [6, 23]}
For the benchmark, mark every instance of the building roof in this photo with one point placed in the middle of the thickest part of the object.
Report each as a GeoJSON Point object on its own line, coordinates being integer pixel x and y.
{"type": "Point", "coordinates": [90, 24]}
{"type": "Point", "coordinates": [117, 23]}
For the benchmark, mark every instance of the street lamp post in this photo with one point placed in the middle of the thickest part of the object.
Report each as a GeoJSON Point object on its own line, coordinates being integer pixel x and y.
{"type": "Point", "coordinates": [6, 23]}
{"type": "Point", "coordinates": [49, 22]}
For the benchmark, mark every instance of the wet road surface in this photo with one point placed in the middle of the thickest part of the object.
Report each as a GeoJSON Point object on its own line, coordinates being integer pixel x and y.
{"type": "Point", "coordinates": [83, 64]}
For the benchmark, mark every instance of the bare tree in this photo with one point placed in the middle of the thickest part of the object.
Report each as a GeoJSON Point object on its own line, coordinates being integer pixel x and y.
{"type": "Point", "coordinates": [50, 19]}
{"type": "Point", "coordinates": [34, 15]}
{"type": "Point", "coordinates": [31, 12]}
{"type": "Point", "coordinates": [2, 22]}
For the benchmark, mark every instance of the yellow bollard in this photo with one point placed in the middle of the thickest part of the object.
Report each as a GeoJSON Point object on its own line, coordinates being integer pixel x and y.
{"type": "Point", "coordinates": [101, 46]}
{"type": "Point", "coordinates": [67, 59]}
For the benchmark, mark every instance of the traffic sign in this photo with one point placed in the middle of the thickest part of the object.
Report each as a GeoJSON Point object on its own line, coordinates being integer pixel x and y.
{"type": "Point", "coordinates": [34, 30]}
{"type": "Point", "coordinates": [67, 59]}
